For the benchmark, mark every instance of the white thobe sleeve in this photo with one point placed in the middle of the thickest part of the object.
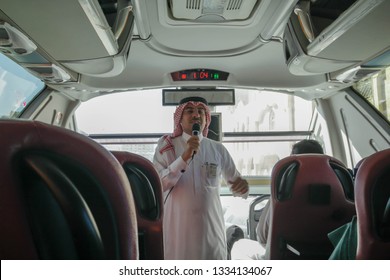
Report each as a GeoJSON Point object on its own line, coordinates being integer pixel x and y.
{"type": "Point", "coordinates": [169, 173]}
{"type": "Point", "coordinates": [230, 172]}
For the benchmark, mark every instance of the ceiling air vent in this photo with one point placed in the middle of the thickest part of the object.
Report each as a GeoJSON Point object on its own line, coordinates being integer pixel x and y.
{"type": "Point", "coordinates": [193, 4]}
{"type": "Point", "coordinates": [234, 5]}
{"type": "Point", "coordinates": [212, 10]}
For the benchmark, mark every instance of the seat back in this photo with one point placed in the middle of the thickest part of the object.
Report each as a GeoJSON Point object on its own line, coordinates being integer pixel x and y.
{"type": "Point", "coordinates": [62, 196]}
{"type": "Point", "coordinates": [147, 190]}
{"type": "Point", "coordinates": [311, 195]}
{"type": "Point", "coordinates": [372, 186]}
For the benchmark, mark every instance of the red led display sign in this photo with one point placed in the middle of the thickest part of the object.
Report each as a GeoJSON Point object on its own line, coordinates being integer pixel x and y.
{"type": "Point", "coordinates": [199, 75]}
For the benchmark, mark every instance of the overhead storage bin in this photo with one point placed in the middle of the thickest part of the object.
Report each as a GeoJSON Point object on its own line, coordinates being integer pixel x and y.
{"type": "Point", "coordinates": [328, 36]}
{"type": "Point", "coordinates": [66, 30]}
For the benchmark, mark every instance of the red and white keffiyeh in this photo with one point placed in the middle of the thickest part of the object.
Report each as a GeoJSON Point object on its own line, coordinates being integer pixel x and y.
{"type": "Point", "coordinates": [178, 130]}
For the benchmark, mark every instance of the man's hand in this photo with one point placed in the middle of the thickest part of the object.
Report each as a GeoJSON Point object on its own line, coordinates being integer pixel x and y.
{"type": "Point", "coordinates": [239, 186]}
{"type": "Point", "coordinates": [192, 146]}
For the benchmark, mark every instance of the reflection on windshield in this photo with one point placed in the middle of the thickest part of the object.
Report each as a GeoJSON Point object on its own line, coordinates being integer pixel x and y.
{"type": "Point", "coordinates": [17, 88]}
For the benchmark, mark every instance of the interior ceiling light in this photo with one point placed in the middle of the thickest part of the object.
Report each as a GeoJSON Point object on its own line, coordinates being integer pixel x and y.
{"type": "Point", "coordinates": [14, 42]}
{"type": "Point", "coordinates": [212, 10]}
{"type": "Point", "coordinates": [49, 72]}
{"type": "Point", "coordinates": [355, 74]}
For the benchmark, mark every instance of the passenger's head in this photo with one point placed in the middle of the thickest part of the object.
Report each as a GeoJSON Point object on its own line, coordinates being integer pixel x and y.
{"type": "Point", "coordinates": [192, 110]}
{"type": "Point", "coordinates": [307, 147]}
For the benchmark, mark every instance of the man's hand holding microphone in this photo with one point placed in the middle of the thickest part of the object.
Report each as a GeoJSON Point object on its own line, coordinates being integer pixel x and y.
{"type": "Point", "coordinates": [193, 143]}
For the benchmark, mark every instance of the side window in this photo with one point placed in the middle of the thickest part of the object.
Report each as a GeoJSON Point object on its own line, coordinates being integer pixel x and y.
{"type": "Point", "coordinates": [266, 122]}
{"type": "Point", "coordinates": [376, 90]}
{"type": "Point", "coordinates": [17, 88]}
{"type": "Point", "coordinates": [321, 132]}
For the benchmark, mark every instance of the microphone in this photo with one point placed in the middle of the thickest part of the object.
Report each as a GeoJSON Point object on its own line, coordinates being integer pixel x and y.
{"type": "Point", "coordinates": [195, 129]}
{"type": "Point", "coordinates": [195, 132]}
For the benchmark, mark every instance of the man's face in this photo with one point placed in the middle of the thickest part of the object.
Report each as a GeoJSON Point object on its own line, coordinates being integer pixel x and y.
{"type": "Point", "coordinates": [193, 114]}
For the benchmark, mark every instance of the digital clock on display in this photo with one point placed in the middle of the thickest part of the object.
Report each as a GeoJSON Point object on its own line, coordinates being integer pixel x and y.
{"type": "Point", "coordinates": [199, 75]}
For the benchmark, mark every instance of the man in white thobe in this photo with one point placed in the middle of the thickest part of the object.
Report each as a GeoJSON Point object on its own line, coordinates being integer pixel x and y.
{"type": "Point", "coordinates": [191, 168]}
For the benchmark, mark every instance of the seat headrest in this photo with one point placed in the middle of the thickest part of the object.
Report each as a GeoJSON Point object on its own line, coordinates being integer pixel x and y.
{"type": "Point", "coordinates": [311, 195]}
{"type": "Point", "coordinates": [372, 206]}
{"type": "Point", "coordinates": [44, 151]}
{"type": "Point", "coordinates": [144, 195]}
{"type": "Point", "coordinates": [146, 185]}
{"type": "Point", "coordinates": [288, 168]}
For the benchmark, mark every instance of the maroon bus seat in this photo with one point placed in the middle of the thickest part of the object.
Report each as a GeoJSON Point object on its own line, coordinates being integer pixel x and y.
{"type": "Point", "coordinates": [372, 185]}
{"type": "Point", "coordinates": [147, 190]}
{"type": "Point", "coordinates": [311, 195]}
{"type": "Point", "coordinates": [62, 196]}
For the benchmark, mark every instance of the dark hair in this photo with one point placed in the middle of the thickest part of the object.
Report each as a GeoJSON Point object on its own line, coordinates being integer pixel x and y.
{"type": "Point", "coordinates": [307, 147]}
